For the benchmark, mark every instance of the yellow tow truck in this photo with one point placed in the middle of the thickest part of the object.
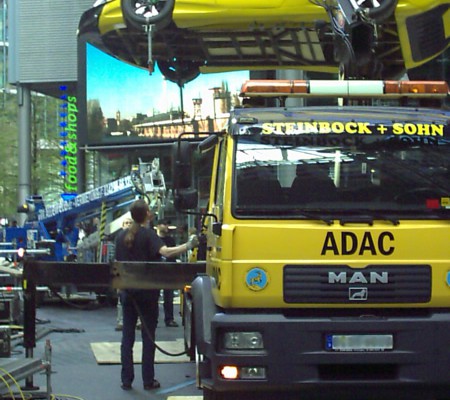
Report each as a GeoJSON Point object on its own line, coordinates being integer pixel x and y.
{"type": "Point", "coordinates": [327, 245]}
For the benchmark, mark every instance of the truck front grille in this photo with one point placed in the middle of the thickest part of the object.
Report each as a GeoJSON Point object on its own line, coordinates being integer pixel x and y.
{"type": "Point", "coordinates": [340, 284]}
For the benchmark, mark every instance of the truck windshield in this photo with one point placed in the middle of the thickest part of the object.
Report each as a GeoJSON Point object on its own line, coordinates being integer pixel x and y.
{"type": "Point", "coordinates": [313, 174]}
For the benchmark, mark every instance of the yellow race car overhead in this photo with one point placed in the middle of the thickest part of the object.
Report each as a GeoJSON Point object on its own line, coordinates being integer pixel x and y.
{"type": "Point", "coordinates": [378, 39]}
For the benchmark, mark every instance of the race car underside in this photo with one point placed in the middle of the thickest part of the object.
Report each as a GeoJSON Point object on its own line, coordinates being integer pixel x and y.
{"type": "Point", "coordinates": [181, 53]}
{"type": "Point", "coordinates": [357, 39]}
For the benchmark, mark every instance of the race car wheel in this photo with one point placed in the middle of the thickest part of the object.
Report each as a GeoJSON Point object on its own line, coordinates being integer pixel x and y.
{"type": "Point", "coordinates": [378, 10]}
{"type": "Point", "coordinates": [179, 71]}
{"type": "Point", "coordinates": [140, 13]}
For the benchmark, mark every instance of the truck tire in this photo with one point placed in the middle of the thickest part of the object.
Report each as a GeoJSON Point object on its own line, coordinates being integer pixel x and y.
{"type": "Point", "coordinates": [189, 328]}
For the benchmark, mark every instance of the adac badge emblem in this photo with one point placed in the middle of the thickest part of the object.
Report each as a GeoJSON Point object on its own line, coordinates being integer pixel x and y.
{"type": "Point", "coordinates": [256, 279]}
{"type": "Point", "coordinates": [448, 278]}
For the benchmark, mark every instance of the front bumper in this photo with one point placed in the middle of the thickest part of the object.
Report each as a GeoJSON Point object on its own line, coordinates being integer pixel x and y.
{"type": "Point", "coordinates": [297, 361]}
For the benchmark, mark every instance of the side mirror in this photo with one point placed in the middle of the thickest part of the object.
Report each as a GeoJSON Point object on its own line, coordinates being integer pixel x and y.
{"type": "Point", "coordinates": [181, 165]}
{"type": "Point", "coordinates": [208, 143]}
{"type": "Point", "coordinates": [185, 199]}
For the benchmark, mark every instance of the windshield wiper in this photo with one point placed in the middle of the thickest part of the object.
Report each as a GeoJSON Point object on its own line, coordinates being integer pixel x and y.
{"type": "Point", "coordinates": [367, 217]}
{"type": "Point", "coordinates": [313, 215]}
{"type": "Point", "coordinates": [271, 212]}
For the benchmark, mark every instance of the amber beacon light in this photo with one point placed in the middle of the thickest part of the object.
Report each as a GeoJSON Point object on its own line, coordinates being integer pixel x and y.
{"type": "Point", "coordinates": [348, 88]}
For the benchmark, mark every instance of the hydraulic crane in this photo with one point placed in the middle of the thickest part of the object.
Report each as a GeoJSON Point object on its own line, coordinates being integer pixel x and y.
{"type": "Point", "coordinates": [55, 226]}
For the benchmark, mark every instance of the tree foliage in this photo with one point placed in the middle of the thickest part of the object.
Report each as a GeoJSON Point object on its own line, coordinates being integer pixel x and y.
{"type": "Point", "coordinates": [8, 155]}
{"type": "Point", "coordinates": [45, 151]}
{"type": "Point", "coordinates": [46, 147]}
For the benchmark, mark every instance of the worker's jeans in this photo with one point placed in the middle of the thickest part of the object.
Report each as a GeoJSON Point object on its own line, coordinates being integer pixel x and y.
{"type": "Point", "coordinates": [147, 303]}
{"type": "Point", "coordinates": [168, 305]}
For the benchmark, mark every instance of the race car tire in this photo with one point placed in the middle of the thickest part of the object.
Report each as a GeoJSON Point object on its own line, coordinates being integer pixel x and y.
{"type": "Point", "coordinates": [162, 18]}
{"type": "Point", "coordinates": [382, 13]}
{"type": "Point", "coordinates": [180, 72]}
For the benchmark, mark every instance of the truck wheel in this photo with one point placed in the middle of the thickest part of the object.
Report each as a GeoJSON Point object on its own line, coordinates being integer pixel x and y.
{"type": "Point", "coordinates": [189, 334]}
{"type": "Point", "coordinates": [140, 13]}
{"type": "Point", "coordinates": [198, 359]}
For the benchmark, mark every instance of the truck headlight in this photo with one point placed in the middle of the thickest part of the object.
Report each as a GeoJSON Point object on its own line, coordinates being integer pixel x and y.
{"type": "Point", "coordinates": [243, 341]}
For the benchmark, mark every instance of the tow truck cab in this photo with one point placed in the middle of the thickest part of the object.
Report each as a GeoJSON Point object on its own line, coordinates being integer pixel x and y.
{"type": "Point", "coordinates": [327, 251]}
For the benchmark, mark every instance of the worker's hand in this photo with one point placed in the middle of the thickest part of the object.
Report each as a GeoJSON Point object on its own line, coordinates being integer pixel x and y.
{"type": "Point", "coordinates": [192, 242]}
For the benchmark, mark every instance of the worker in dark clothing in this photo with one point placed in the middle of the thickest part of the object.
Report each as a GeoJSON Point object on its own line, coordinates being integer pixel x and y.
{"type": "Point", "coordinates": [126, 223]}
{"type": "Point", "coordinates": [162, 228]}
{"type": "Point", "coordinates": [139, 243]}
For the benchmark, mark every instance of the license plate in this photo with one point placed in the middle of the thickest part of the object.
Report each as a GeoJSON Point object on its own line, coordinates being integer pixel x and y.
{"type": "Point", "coordinates": [359, 342]}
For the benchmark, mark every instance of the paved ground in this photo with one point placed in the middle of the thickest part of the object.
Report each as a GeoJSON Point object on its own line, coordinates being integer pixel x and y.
{"type": "Point", "coordinates": [76, 373]}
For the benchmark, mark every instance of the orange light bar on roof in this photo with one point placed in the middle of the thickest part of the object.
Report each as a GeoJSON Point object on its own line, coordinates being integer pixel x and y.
{"type": "Point", "coordinates": [417, 87]}
{"type": "Point", "coordinates": [348, 88]}
{"type": "Point", "coordinates": [275, 87]}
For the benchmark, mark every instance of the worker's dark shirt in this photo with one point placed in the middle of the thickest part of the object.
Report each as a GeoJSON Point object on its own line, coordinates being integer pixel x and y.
{"type": "Point", "coordinates": [145, 247]}
{"type": "Point", "coordinates": [169, 241]}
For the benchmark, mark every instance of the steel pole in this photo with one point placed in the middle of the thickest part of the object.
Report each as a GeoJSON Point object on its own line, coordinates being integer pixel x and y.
{"type": "Point", "coordinates": [24, 178]}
